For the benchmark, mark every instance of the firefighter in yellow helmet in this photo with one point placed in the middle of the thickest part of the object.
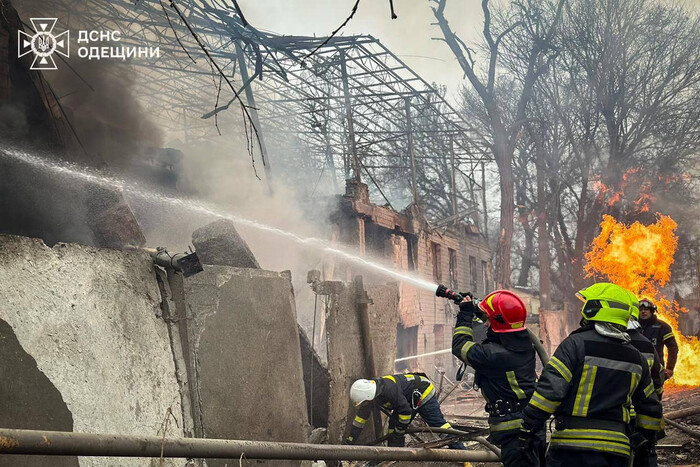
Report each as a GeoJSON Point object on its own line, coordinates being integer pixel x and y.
{"type": "Point", "coordinates": [589, 385]}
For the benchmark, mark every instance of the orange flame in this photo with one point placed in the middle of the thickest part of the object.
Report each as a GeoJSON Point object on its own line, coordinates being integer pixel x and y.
{"type": "Point", "coordinates": [633, 186]}
{"type": "Point", "coordinates": [639, 257]}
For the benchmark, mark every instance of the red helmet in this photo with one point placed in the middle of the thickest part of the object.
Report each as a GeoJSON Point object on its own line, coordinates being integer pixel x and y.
{"type": "Point", "coordinates": [505, 310]}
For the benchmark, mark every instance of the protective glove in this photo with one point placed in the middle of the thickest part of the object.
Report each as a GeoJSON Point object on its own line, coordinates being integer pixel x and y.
{"type": "Point", "coordinates": [349, 440]}
{"type": "Point", "coordinates": [396, 440]}
{"type": "Point", "coordinates": [526, 439]}
{"type": "Point", "coordinates": [467, 309]}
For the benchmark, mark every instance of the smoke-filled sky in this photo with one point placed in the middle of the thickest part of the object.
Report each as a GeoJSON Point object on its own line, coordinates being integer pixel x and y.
{"type": "Point", "coordinates": [409, 36]}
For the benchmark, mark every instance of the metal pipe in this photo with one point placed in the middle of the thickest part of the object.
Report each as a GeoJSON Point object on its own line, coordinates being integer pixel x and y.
{"type": "Point", "coordinates": [253, 110]}
{"type": "Point", "coordinates": [57, 443]}
{"type": "Point", "coordinates": [491, 447]}
{"type": "Point", "coordinates": [411, 153]}
{"type": "Point", "coordinates": [348, 116]}
{"type": "Point", "coordinates": [454, 433]}
{"type": "Point", "coordinates": [186, 263]}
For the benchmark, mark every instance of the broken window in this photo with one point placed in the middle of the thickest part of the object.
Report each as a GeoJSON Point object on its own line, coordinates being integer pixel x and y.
{"type": "Point", "coordinates": [473, 282]}
{"type": "Point", "coordinates": [485, 276]}
{"type": "Point", "coordinates": [453, 268]}
{"type": "Point", "coordinates": [406, 345]}
{"type": "Point", "coordinates": [437, 272]}
{"type": "Point", "coordinates": [411, 254]}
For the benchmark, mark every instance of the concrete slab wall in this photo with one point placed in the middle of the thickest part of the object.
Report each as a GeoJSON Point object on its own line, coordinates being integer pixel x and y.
{"type": "Point", "coordinates": [346, 361]}
{"type": "Point", "coordinates": [345, 358]}
{"type": "Point", "coordinates": [384, 317]}
{"type": "Point", "coordinates": [246, 350]}
{"type": "Point", "coordinates": [316, 383]}
{"type": "Point", "coordinates": [88, 320]}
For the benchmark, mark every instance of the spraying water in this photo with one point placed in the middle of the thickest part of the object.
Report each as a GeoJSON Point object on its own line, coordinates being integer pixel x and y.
{"type": "Point", "coordinates": [428, 354]}
{"type": "Point", "coordinates": [83, 174]}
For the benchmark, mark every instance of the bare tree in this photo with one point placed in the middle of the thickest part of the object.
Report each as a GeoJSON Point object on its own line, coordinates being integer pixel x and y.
{"type": "Point", "coordinates": [615, 126]}
{"type": "Point", "coordinates": [529, 20]}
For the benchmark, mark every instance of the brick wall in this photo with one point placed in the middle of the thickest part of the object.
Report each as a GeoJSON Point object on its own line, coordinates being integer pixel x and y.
{"type": "Point", "coordinates": [408, 235]}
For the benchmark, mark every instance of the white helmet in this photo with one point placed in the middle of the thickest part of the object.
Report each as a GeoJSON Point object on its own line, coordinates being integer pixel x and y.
{"type": "Point", "coordinates": [363, 390]}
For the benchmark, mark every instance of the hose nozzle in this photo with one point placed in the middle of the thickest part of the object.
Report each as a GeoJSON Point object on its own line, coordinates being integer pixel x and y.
{"type": "Point", "coordinates": [443, 291]}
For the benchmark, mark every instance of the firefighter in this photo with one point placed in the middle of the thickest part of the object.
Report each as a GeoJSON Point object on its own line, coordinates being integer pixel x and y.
{"type": "Point", "coordinates": [504, 369]}
{"type": "Point", "coordinates": [659, 333]}
{"type": "Point", "coordinates": [588, 386]}
{"type": "Point", "coordinates": [645, 457]}
{"type": "Point", "coordinates": [401, 397]}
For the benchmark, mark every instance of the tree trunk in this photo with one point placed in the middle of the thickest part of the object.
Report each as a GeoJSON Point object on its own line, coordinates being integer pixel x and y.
{"type": "Point", "coordinates": [505, 234]}
{"type": "Point", "coordinates": [543, 235]}
{"type": "Point", "coordinates": [528, 253]}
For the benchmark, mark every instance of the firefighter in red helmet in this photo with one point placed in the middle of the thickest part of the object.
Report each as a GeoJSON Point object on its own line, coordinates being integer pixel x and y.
{"type": "Point", "coordinates": [504, 367]}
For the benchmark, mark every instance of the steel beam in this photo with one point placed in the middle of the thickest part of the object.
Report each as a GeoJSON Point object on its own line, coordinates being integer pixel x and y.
{"type": "Point", "coordinates": [348, 115]}
{"type": "Point", "coordinates": [57, 443]}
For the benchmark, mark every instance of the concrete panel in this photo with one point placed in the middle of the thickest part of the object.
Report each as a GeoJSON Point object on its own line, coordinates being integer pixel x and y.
{"type": "Point", "coordinates": [345, 358]}
{"type": "Point", "coordinates": [316, 383]}
{"type": "Point", "coordinates": [89, 318]}
{"type": "Point", "coordinates": [384, 318]}
{"type": "Point", "coordinates": [346, 361]}
{"type": "Point", "coordinates": [246, 348]}
{"type": "Point", "coordinates": [220, 244]}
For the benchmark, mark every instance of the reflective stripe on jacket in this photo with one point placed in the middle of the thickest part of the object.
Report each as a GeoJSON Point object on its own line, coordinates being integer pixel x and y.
{"type": "Point", "coordinates": [504, 367]}
{"type": "Point", "coordinates": [590, 384]}
{"type": "Point", "coordinates": [394, 397]}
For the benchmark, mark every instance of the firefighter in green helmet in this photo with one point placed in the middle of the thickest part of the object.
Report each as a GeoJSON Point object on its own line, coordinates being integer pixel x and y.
{"type": "Point", "coordinates": [589, 385]}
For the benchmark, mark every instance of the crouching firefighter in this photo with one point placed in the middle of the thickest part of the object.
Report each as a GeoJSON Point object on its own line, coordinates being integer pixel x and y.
{"type": "Point", "coordinates": [589, 384]}
{"type": "Point", "coordinates": [401, 397]}
{"type": "Point", "coordinates": [504, 367]}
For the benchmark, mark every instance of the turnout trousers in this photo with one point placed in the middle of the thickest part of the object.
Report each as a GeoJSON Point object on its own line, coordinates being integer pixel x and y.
{"type": "Point", "coordinates": [584, 458]}
{"type": "Point", "coordinates": [431, 413]}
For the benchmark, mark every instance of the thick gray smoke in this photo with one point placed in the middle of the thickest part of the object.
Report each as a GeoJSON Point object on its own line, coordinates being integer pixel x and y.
{"type": "Point", "coordinates": [98, 98]}
{"type": "Point", "coordinates": [85, 111]}
{"type": "Point", "coordinates": [110, 122]}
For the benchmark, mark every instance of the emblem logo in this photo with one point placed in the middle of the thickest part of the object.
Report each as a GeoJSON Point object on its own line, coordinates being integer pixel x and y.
{"type": "Point", "coordinates": [43, 43]}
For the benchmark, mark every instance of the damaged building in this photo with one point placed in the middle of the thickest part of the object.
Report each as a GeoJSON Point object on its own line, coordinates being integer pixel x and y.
{"type": "Point", "coordinates": [456, 255]}
{"type": "Point", "coordinates": [103, 335]}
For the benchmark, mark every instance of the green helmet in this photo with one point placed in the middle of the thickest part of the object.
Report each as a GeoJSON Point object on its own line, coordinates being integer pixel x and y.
{"type": "Point", "coordinates": [608, 303]}
{"type": "Point", "coordinates": [634, 307]}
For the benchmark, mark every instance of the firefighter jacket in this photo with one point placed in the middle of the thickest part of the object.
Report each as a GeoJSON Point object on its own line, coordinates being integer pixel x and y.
{"type": "Point", "coordinates": [660, 334]}
{"type": "Point", "coordinates": [504, 366]}
{"type": "Point", "coordinates": [589, 385]}
{"type": "Point", "coordinates": [646, 348]}
{"type": "Point", "coordinates": [398, 396]}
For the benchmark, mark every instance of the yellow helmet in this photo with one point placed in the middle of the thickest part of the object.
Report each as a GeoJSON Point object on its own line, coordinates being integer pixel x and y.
{"type": "Point", "coordinates": [607, 303]}
{"type": "Point", "coordinates": [634, 310]}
